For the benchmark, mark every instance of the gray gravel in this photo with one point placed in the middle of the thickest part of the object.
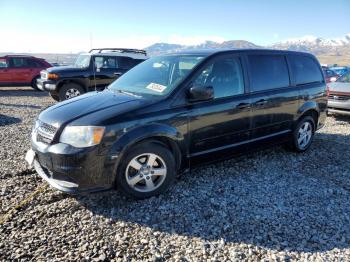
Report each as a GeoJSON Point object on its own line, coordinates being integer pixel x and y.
{"type": "Point", "coordinates": [273, 205]}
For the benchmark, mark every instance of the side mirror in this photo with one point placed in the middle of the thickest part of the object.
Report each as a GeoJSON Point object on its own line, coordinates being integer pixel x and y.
{"type": "Point", "coordinates": [333, 79]}
{"type": "Point", "coordinates": [200, 93]}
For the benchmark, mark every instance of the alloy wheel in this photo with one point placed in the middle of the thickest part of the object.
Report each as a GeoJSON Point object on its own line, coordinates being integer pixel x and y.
{"type": "Point", "coordinates": [72, 92]}
{"type": "Point", "coordinates": [304, 135]}
{"type": "Point", "coordinates": [146, 172]}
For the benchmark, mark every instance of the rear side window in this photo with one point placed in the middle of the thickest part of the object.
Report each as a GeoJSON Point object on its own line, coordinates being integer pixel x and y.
{"type": "Point", "coordinates": [268, 72]}
{"type": "Point", "coordinates": [305, 70]}
{"type": "Point", "coordinates": [125, 62]}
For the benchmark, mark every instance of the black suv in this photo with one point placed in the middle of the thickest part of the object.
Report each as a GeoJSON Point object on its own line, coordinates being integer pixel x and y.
{"type": "Point", "coordinates": [171, 112]}
{"type": "Point", "coordinates": [91, 71]}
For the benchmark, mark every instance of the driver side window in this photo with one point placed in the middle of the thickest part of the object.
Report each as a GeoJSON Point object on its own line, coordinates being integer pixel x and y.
{"type": "Point", "coordinates": [224, 75]}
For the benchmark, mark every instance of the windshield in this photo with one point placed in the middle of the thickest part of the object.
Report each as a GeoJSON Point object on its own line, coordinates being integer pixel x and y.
{"type": "Point", "coordinates": [156, 76]}
{"type": "Point", "coordinates": [82, 61]}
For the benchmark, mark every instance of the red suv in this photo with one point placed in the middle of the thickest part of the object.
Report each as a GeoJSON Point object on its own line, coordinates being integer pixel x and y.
{"type": "Point", "coordinates": [21, 70]}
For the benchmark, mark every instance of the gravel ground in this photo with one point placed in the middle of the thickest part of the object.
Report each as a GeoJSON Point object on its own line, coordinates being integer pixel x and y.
{"type": "Point", "coordinates": [273, 205]}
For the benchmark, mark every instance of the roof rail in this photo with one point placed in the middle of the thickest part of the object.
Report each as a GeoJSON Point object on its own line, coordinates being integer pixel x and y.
{"type": "Point", "coordinates": [120, 50]}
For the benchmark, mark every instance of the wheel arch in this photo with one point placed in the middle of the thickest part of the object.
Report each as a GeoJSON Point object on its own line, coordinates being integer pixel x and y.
{"type": "Point", "coordinates": [309, 108]}
{"type": "Point", "coordinates": [68, 81]}
{"type": "Point", "coordinates": [154, 133]}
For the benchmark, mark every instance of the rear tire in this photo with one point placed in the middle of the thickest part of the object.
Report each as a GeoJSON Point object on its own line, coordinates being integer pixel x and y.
{"type": "Point", "coordinates": [34, 85]}
{"type": "Point", "coordinates": [69, 91]}
{"type": "Point", "coordinates": [147, 170]}
{"type": "Point", "coordinates": [303, 134]}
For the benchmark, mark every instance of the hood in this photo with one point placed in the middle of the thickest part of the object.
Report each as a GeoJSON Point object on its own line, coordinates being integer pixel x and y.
{"type": "Point", "coordinates": [63, 69]}
{"type": "Point", "coordinates": [91, 103]}
{"type": "Point", "coordinates": [339, 87]}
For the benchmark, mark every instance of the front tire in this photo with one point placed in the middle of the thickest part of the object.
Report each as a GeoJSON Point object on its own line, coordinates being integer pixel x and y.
{"type": "Point", "coordinates": [34, 85]}
{"type": "Point", "coordinates": [69, 91]}
{"type": "Point", "coordinates": [303, 134]}
{"type": "Point", "coordinates": [54, 96]}
{"type": "Point", "coordinates": [147, 170]}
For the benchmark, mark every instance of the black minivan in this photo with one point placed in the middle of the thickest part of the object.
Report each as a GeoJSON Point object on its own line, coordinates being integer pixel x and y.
{"type": "Point", "coordinates": [171, 112]}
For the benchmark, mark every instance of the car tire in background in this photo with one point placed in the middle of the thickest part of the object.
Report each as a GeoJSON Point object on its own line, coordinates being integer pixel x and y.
{"type": "Point", "coordinates": [54, 96]}
{"type": "Point", "coordinates": [147, 170]}
{"type": "Point", "coordinates": [34, 85]}
{"type": "Point", "coordinates": [303, 134]}
{"type": "Point", "coordinates": [70, 90]}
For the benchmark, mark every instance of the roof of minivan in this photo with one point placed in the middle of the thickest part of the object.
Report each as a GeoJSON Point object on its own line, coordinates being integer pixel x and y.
{"type": "Point", "coordinates": [207, 52]}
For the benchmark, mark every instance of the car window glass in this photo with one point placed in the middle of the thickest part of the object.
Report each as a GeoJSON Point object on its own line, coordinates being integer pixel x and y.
{"type": "Point", "coordinates": [268, 72]}
{"type": "Point", "coordinates": [125, 62]}
{"type": "Point", "coordinates": [105, 62]}
{"type": "Point", "coordinates": [34, 63]}
{"type": "Point", "coordinates": [224, 75]}
{"type": "Point", "coordinates": [305, 70]}
{"type": "Point", "coordinates": [3, 63]}
{"type": "Point", "coordinates": [345, 78]}
{"type": "Point", "coordinates": [19, 62]}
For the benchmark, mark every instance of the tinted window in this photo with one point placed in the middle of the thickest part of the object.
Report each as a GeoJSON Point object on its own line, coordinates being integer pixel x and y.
{"type": "Point", "coordinates": [34, 63]}
{"type": "Point", "coordinates": [305, 70]}
{"type": "Point", "coordinates": [125, 62]}
{"type": "Point", "coordinates": [224, 75]}
{"type": "Point", "coordinates": [268, 72]}
{"type": "Point", "coordinates": [19, 62]}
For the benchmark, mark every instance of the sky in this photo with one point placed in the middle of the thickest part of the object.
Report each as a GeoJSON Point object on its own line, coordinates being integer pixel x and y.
{"type": "Point", "coordinates": [66, 26]}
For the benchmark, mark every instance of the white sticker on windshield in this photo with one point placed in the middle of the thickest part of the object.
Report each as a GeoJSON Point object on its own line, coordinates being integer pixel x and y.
{"type": "Point", "coordinates": [156, 87]}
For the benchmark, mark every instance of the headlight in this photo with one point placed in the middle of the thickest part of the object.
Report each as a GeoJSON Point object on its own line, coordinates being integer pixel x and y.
{"type": "Point", "coordinates": [82, 136]}
{"type": "Point", "coordinates": [35, 127]}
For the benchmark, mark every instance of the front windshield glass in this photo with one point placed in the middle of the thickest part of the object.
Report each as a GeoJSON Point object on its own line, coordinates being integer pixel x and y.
{"type": "Point", "coordinates": [156, 76]}
{"type": "Point", "coordinates": [82, 61]}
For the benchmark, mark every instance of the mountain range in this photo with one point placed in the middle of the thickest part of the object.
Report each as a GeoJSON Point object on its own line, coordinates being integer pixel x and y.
{"type": "Point", "coordinates": [336, 50]}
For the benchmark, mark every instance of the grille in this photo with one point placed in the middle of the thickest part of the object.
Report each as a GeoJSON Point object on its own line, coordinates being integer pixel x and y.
{"type": "Point", "coordinates": [45, 133]}
{"type": "Point", "coordinates": [339, 97]}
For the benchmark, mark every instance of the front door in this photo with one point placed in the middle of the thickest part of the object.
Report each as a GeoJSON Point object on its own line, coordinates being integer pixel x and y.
{"type": "Point", "coordinates": [106, 71]}
{"type": "Point", "coordinates": [223, 122]}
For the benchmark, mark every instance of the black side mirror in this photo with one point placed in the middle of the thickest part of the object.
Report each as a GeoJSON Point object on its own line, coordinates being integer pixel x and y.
{"type": "Point", "coordinates": [200, 93]}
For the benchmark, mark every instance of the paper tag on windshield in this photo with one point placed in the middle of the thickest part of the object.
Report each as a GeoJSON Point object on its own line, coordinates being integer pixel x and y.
{"type": "Point", "coordinates": [156, 87]}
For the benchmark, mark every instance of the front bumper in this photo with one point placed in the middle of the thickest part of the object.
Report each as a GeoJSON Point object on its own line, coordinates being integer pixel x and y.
{"type": "Point", "coordinates": [73, 170]}
{"type": "Point", "coordinates": [339, 107]}
{"type": "Point", "coordinates": [46, 85]}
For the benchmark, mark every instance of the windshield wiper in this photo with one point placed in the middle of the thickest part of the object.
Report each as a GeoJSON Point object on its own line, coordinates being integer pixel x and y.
{"type": "Point", "coordinates": [127, 93]}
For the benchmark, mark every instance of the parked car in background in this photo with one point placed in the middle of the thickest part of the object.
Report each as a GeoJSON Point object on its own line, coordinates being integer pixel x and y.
{"type": "Point", "coordinates": [92, 71]}
{"type": "Point", "coordinates": [21, 70]}
{"type": "Point", "coordinates": [339, 95]}
{"type": "Point", "coordinates": [340, 70]}
{"type": "Point", "coordinates": [172, 112]}
{"type": "Point", "coordinates": [330, 75]}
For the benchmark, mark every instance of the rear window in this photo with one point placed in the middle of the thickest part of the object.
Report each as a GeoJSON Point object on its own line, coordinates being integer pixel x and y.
{"type": "Point", "coordinates": [305, 70]}
{"type": "Point", "coordinates": [268, 72]}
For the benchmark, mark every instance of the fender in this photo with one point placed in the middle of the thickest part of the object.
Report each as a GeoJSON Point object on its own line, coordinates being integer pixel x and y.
{"type": "Point", "coordinates": [80, 81]}
{"type": "Point", "coordinates": [138, 134]}
{"type": "Point", "coordinates": [308, 105]}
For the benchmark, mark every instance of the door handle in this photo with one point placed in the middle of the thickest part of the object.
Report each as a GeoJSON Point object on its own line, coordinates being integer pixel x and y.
{"type": "Point", "coordinates": [261, 102]}
{"type": "Point", "coordinates": [243, 105]}
{"type": "Point", "coordinates": [117, 74]}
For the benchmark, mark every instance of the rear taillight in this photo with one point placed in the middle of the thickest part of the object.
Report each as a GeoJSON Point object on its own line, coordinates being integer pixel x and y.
{"type": "Point", "coordinates": [327, 91]}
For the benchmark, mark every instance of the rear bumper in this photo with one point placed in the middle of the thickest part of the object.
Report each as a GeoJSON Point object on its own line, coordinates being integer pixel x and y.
{"type": "Point", "coordinates": [73, 170]}
{"type": "Point", "coordinates": [46, 85]}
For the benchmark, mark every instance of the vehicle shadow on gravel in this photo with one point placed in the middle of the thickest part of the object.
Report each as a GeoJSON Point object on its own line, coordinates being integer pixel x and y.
{"type": "Point", "coordinates": [8, 120]}
{"type": "Point", "coordinates": [24, 93]}
{"type": "Point", "coordinates": [274, 199]}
